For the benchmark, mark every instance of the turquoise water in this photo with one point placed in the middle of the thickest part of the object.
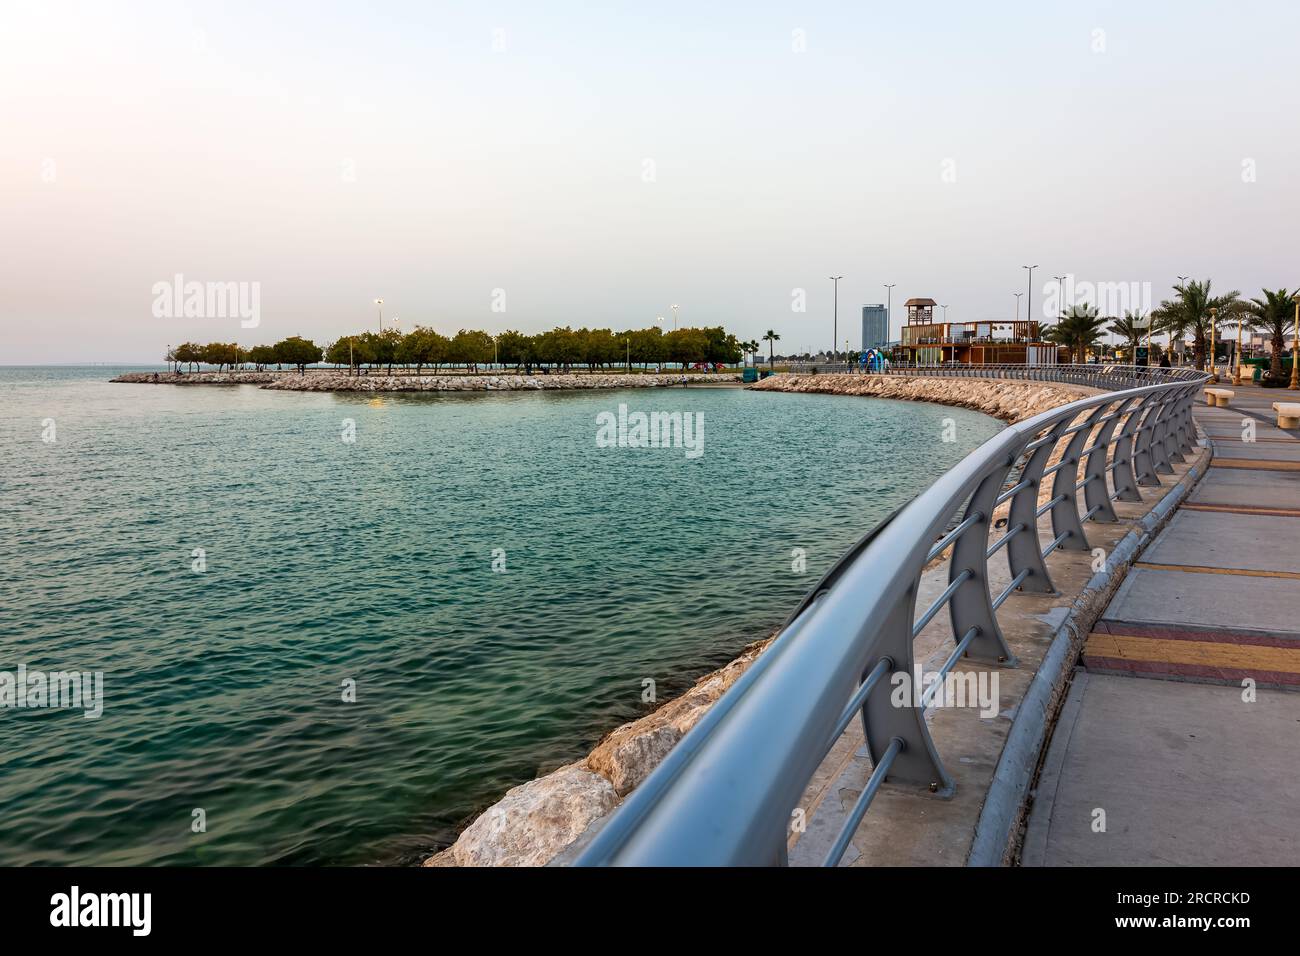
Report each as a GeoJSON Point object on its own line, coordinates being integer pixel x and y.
{"type": "Point", "coordinates": [372, 562]}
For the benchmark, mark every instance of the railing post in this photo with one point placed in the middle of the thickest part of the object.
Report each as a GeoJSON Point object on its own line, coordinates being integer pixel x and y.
{"type": "Point", "coordinates": [1160, 433]}
{"type": "Point", "coordinates": [1188, 431]}
{"type": "Point", "coordinates": [1096, 493]}
{"type": "Point", "coordinates": [1143, 462]}
{"type": "Point", "coordinates": [1123, 475]}
{"type": "Point", "coordinates": [1023, 551]}
{"type": "Point", "coordinates": [882, 721]}
{"type": "Point", "coordinates": [1065, 512]}
{"type": "Point", "coordinates": [971, 605]}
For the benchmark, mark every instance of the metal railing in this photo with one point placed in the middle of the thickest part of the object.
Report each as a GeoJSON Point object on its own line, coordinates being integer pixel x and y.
{"type": "Point", "coordinates": [1101, 375]}
{"type": "Point", "coordinates": [725, 794]}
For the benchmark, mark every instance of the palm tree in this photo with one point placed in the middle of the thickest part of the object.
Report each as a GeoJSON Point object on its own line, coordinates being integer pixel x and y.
{"type": "Point", "coordinates": [1189, 311]}
{"type": "Point", "coordinates": [1272, 314]}
{"type": "Point", "coordinates": [770, 338]}
{"type": "Point", "coordinates": [1078, 330]}
{"type": "Point", "coordinates": [1131, 328]}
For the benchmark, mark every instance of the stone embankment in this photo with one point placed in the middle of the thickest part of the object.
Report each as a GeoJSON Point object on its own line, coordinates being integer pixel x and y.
{"type": "Point", "coordinates": [323, 381]}
{"type": "Point", "coordinates": [536, 821]}
{"type": "Point", "coordinates": [1008, 400]}
{"type": "Point", "coordinates": [539, 820]}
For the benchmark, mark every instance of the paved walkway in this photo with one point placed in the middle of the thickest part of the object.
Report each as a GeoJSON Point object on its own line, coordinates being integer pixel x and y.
{"type": "Point", "coordinates": [1196, 761]}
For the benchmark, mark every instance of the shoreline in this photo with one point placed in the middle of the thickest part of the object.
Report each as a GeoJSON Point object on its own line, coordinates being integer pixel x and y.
{"type": "Point", "coordinates": [553, 816]}
{"type": "Point", "coordinates": [330, 381]}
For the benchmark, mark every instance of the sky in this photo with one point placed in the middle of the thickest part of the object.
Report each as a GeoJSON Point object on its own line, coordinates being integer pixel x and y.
{"type": "Point", "coordinates": [525, 165]}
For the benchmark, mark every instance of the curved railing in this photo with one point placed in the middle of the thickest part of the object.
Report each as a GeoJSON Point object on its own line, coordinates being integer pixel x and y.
{"type": "Point", "coordinates": [725, 794]}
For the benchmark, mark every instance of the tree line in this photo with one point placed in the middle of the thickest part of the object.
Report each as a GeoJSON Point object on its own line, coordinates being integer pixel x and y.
{"type": "Point", "coordinates": [1192, 310]}
{"type": "Point", "coordinates": [562, 348]}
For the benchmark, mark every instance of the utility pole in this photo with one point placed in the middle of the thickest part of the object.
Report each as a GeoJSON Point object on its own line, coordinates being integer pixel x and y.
{"type": "Point", "coordinates": [889, 312]}
{"type": "Point", "coordinates": [835, 325]}
{"type": "Point", "coordinates": [1029, 303]}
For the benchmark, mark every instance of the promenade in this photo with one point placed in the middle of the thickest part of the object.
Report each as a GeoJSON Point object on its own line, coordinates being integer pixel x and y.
{"type": "Point", "coordinates": [1180, 736]}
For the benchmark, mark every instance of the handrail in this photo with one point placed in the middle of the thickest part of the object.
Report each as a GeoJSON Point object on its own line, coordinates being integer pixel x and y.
{"type": "Point", "coordinates": [725, 794]}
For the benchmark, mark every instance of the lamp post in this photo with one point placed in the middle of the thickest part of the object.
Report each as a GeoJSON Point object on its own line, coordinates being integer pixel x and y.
{"type": "Point", "coordinates": [1017, 295]}
{"type": "Point", "coordinates": [835, 325]}
{"type": "Point", "coordinates": [674, 308]}
{"type": "Point", "coordinates": [1214, 360]}
{"type": "Point", "coordinates": [379, 303]}
{"type": "Point", "coordinates": [1029, 302]}
{"type": "Point", "coordinates": [1295, 347]}
{"type": "Point", "coordinates": [1236, 364]}
{"type": "Point", "coordinates": [889, 314]}
{"type": "Point", "coordinates": [1060, 290]}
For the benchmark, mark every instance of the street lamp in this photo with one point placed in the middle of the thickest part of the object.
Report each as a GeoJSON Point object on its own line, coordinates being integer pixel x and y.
{"type": "Point", "coordinates": [1295, 347]}
{"type": "Point", "coordinates": [1029, 302]}
{"type": "Point", "coordinates": [1060, 290]}
{"type": "Point", "coordinates": [1236, 364]}
{"type": "Point", "coordinates": [1017, 295]}
{"type": "Point", "coordinates": [674, 308]}
{"type": "Point", "coordinates": [1214, 358]}
{"type": "Point", "coordinates": [835, 325]}
{"type": "Point", "coordinates": [889, 315]}
{"type": "Point", "coordinates": [380, 304]}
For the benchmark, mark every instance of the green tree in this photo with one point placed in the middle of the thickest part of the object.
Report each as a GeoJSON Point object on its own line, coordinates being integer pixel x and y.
{"type": "Point", "coordinates": [262, 355]}
{"type": "Point", "coordinates": [470, 348]}
{"type": "Point", "coordinates": [189, 353]}
{"type": "Point", "coordinates": [1078, 330]}
{"type": "Point", "coordinates": [1132, 329]}
{"type": "Point", "coordinates": [422, 346]}
{"type": "Point", "coordinates": [687, 346]}
{"type": "Point", "coordinates": [515, 348]}
{"type": "Point", "coordinates": [771, 338]}
{"type": "Point", "coordinates": [1189, 311]}
{"type": "Point", "coordinates": [297, 351]}
{"type": "Point", "coordinates": [1274, 314]}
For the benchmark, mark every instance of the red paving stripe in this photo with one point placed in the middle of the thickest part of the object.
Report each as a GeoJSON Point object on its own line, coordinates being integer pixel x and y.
{"type": "Point", "coordinates": [1251, 464]}
{"type": "Point", "coordinates": [1158, 668]}
{"type": "Point", "coordinates": [1167, 632]}
{"type": "Point", "coordinates": [1241, 509]}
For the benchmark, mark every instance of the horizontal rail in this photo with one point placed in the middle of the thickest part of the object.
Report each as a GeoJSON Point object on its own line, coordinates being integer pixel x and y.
{"type": "Point", "coordinates": [726, 793]}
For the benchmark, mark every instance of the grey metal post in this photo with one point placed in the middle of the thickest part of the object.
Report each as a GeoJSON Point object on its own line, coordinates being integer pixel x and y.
{"type": "Point", "coordinates": [971, 605]}
{"type": "Point", "coordinates": [1023, 552]}
{"type": "Point", "coordinates": [1065, 510]}
{"type": "Point", "coordinates": [919, 761]}
{"type": "Point", "coordinates": [1096, 493]}
{"type": "Point", "coordinates": [1122, 472]}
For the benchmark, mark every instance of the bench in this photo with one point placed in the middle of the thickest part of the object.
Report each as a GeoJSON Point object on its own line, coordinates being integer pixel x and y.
{"type": "Point", "coordinates": [1218, 397]}
{"type": "Point", "coordinates": [1288, 414]}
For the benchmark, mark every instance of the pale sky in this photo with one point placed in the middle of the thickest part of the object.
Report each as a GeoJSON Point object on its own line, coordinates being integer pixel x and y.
{"type": "Point", "coordinates": [601, 162]}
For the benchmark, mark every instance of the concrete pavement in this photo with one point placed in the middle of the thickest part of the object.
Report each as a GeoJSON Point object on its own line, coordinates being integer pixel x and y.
{"type": "Point", "coordinates": [1196, 761]}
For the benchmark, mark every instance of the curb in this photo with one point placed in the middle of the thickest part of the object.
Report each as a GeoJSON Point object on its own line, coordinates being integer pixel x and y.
{"type": "Point", "coordinates": [1004, 805]}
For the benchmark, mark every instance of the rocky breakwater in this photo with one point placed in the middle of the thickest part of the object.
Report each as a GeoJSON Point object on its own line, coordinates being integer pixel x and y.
{"type": "Point", "coordinates": [341, 382]}
{"type": "Point", "coordinates": [535, 822]}
{"type": "Point", "coordinates": [196, 378]}
{"type": "Point", "coordinates": [331, 381]}
{"type": "Point", "coordinates": [1009, 400]}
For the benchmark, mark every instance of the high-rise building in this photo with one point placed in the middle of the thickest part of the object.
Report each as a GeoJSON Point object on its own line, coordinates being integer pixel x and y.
{"type": "Point", "coordinates": [875, 326]}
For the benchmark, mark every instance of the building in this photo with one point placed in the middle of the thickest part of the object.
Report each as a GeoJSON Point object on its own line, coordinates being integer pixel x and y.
{"type": "Point", "coordinates": [926, 341]}
{"type": "Point", "coordinates": [875, 326]}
